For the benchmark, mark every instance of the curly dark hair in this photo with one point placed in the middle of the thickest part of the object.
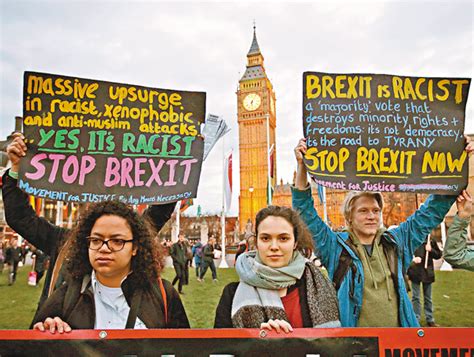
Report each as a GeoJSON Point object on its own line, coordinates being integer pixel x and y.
{"type": "Point", "coordinates": [303, 238]}
{"type": "Point", "coordinates": [147, 264]}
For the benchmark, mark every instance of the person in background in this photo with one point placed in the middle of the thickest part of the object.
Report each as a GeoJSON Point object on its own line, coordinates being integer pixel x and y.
{"type": "Point", "coordinates": [367, 262]}
{"type": "Point", "coordinates": [13, 258]}
{"type": "Point", "coordinates": [252, 242]}
{"type": "Point", "coordinates": [208, 259]}
{"type": "Point", "coordinates": [279, 288]}
{"type": "Point", "coordinates": [25, 249]}
{"type": "Point", "coordinates": [241, 248]}
{"type": "Point", "coordinates": [114, 267]}
{"type": "Point", "coordinates": [421, 272]}
{"type": "Point", "coordinates": [456, 251]}
{"type": "Point", "coordinates": [189, 256]}
{"type": "Point", "coordinates": [178, 254]}
{"type": "Point", "coordinates": [2, 256]}
{"type": "Point", "coordinates": [166, 246]}
{"type": "Point", "coordinates": [197, 254]}
{"type": "Point", "coordinates": [51, 239]}
{"type": "Point", "coordinates": [40, 261]}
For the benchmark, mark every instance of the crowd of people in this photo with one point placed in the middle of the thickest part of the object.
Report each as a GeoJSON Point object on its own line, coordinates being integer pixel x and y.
{"type": "Point", "coordinates": [105, 273]}
{"type": "Point", "coordinates": [13, 255]}
{"type": "Point", "coordinates": [183, 254]}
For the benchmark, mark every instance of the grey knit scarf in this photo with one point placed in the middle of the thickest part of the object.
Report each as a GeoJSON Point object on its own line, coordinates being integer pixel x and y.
{"type": "Point", "coordinates": [252, 304]}
{"type": "Point", "coordinates": [252, 271]}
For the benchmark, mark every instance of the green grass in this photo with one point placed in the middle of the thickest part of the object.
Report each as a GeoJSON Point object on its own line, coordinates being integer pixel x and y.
{"type": "Point", "coordinates": [18, 302]}
{"type": "Point", "coordinates": [200, 299]}
{"type": "Point", "coordinates": [451, 298]}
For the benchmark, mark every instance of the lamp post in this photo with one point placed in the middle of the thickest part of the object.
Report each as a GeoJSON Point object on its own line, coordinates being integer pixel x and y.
{"type": "Point", "coordinates": [251, 204]}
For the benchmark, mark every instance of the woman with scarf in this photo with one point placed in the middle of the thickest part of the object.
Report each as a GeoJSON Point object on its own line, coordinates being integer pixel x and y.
{"type": "Point", "coordinates": [114, 267]}
{"type": "Point", "coordinates": [279, 288]}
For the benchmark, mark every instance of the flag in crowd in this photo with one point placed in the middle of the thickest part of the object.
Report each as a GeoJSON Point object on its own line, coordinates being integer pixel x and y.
{"type": "Point", "coordinates": [185, 204]}
{"type": "Point", "coordinates": [228, 181]}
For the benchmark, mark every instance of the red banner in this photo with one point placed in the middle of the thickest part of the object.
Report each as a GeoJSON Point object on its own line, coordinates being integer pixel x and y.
{"type": "Point", "coordinates": [386, 342]}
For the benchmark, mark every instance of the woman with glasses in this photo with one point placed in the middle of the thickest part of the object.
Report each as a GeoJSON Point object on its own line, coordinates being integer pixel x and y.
{"type": "Point", "coordinates": [279, 288]}
{"type": "Point", "coordinates": [51, 239]}
{"type": "Point", "coordinates": [114, 266]}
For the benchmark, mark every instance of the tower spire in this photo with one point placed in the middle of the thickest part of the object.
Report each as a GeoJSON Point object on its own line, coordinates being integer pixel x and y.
{"type": "Point", "coordinates": [254, 48]}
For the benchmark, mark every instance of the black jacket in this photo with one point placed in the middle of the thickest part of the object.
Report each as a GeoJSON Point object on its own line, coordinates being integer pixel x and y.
{"type": "Point", "coordinates": [417, 272]}
{"type": "Point", "coordinates": [22, 218]}
{"type": "Point", "coordinates": [13, 255]}
{"type": "Point", "coordinates": [73, 302]}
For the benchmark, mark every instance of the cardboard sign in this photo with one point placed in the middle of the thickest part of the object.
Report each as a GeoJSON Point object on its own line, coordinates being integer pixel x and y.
{"type": "Point", "coordinates": [214, 129]}
{"type": "Point", "coordinates": [371, 132]}
{"type": "Point", "coordinates": [90, 141]}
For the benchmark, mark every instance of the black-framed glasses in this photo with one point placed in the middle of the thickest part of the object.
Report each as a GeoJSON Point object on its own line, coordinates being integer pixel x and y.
{"type": "Point", "coordinates": [114, 244]}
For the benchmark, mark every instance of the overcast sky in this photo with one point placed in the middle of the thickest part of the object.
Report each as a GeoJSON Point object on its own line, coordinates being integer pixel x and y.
{"type": "Point", "coordinates": [202, 46]}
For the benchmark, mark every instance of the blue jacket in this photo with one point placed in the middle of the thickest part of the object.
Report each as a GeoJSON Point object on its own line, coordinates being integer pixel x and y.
{"type": "Point", "coordinates": [408, 236]}
{"type": "Point", "coordinates": [197, 257]}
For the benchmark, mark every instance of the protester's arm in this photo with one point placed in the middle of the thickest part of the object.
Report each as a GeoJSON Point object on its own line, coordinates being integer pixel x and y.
{"type": "Point", "coordinates": [158, 215]}
{"type": "Point", "coordinates": [19, 214]}
{"type": "Point", "coordinates": [413, 232]}
{"type": "Point", "coordinates": [302, 200]}
{"type": "Point", "coordinates": [223, 317]}
{"type": "Point", "coordinates": [301, 180]}
{"type": "Point", "coordinates": [456, 251]}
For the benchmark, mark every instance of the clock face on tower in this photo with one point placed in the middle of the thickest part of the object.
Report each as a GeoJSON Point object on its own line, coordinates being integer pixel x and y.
{"type": "Point", "coordinates": [252, 101]}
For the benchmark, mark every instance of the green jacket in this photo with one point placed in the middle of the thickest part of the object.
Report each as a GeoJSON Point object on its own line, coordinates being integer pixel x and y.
{"type": "Point", "coordinates": [208, 253]}
{"type": "Point", "coordinates": [178, 253]}
{"type": "Point", "coordinates": [456, 251]}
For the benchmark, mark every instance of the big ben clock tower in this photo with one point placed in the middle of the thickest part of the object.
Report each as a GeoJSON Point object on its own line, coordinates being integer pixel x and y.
{"type": "Point", "coordinates": [257, 123]}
